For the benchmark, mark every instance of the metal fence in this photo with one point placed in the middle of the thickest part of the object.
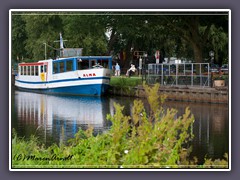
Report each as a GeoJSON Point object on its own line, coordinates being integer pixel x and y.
{"type": "Point", "coordinates": [186, 74]}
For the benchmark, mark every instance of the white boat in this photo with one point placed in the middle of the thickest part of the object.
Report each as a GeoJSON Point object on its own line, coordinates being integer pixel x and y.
{"type": "Point", "coordinates": [75, 75]}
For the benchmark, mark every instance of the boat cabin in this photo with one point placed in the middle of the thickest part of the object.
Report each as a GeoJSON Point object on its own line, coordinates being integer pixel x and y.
{"type": "Point", "coordinates": [81, 63]}
{"type": "Point", "coordinates": [47, 69]}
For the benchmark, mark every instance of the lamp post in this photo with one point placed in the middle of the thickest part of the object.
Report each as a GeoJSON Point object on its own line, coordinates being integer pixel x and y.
{"type": "Point", "coordinates": [45, 44]}
{"type": "Point", "coordinates": [211, 54]}
{"type": "Point", "coordinates": [144, 65]}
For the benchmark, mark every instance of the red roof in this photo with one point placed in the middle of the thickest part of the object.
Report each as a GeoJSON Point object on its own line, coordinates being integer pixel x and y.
{"type": "Point", "coordinates": [32, 64]}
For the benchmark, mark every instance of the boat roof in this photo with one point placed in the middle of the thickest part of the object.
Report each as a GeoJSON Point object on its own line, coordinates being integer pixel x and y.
{"type": "Point", "coordinates": [42, 62]}
{"type": "Point", "coordinates": [81, 57]}
{"type": "Point", "coordinates": [88, 57]}
{"type": "Point", "coordinates": [32, 63]}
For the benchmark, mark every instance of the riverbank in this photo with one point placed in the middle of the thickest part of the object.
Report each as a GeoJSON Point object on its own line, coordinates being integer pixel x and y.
{"type": "Point", "coordinates": [132, 87]}
{"type": "Point", "coordinates": [180, 93]}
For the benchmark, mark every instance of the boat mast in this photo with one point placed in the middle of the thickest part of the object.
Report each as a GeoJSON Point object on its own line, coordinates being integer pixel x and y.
{"type": "Point", "coordinates": [61, 41]}
{"type": "Point", "coordinates": [61, 44]}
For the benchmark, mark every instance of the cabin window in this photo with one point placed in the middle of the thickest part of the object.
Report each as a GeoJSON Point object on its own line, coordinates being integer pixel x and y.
{"type": "Point", "coordinates": [58, 67]}
{"type": "Point", "coordinates": [36, 70]}
{"type": "Point", "coordinates": [24, 70]}
{"type": "Point", "coordinates": [43, 68]}
{"type": "Point", "coordinates": [83, 64]}
{"type": "Point", "coordinates": [106, 65]}
{"type": "Point", "coordinates": [103, 63]}
{"type": "Point", "coordinates": [27, 70]}
{"type": "Point", "coordinates": [32, 70]}
{"type": "Point", "coordinates": [93, 63]}
{"type": "Point", "coordinates": [79, 64]}
{"type": "Point", "coordinates": [55, 67]}
{"type": "Point", "coordinates": [69, 65]}
{"type": "Point", "coordinates": [22, 67]}
{"type": "Point", "coordinates": [61, 64]}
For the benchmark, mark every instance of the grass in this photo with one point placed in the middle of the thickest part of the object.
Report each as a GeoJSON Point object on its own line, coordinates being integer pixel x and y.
{"type": "Point", "coordinates": [125, 81]}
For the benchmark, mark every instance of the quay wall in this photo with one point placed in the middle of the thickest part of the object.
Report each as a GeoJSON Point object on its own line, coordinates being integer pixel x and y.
{"type": "Point", "coordinates": [190, 94]}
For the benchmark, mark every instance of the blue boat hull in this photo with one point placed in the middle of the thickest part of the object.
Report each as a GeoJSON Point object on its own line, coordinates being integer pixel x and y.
{"type": "Point", "coordinates": [92, 90]}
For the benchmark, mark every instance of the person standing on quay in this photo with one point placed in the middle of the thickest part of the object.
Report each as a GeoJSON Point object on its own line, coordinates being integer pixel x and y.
{"type": "Point", "coordinates": [117, 70]}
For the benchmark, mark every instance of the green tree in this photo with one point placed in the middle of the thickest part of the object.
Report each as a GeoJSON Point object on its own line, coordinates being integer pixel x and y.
{"type": "Point", "coordinates": [183, 36]}
{"type": "Point", "coordinates": [177, 35]}
{"type": "Point", "coordinates": [18, 35]}
{"type": "Point", "coordinates": [195, 30]}
{"type": "Point", "coordinates": [218, 41]}
{"type": "Point", "coordinates": [85, 31]}
{"type": "Point", "coordinates": [131, 32]}
{"type": "Point", "coordinates": [41, 29]}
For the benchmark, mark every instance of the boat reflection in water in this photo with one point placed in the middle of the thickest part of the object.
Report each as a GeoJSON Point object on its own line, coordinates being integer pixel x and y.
{"type": "Point", "coordinates": [58, 118]}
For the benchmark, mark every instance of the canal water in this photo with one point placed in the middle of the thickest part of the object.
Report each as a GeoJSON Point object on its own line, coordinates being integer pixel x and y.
{"type": "Point", "coordinates": [56, 119]}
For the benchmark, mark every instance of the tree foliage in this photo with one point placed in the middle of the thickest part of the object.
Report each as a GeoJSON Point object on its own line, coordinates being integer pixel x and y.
{"type": "Point", "coordinates": [18, 38]}
{"type": "Point", "coordinates": [181, 35]}
{"type": "Point", "coordinates": [88, 33]}
{"type": "Point", "coordinates": [41, 29]}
